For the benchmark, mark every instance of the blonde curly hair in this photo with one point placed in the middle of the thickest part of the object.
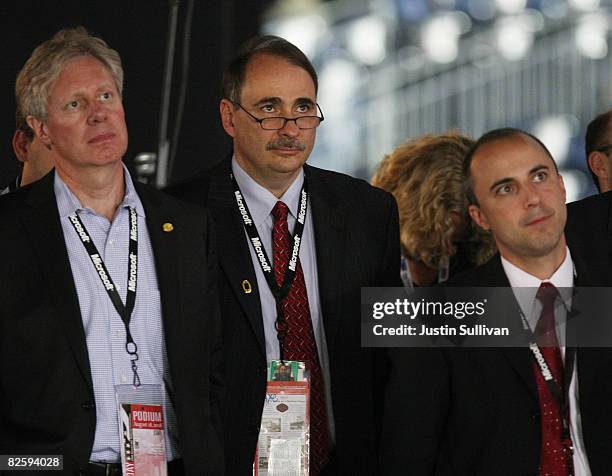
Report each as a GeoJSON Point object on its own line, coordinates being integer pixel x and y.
{"type": "Point", "coordinates": [425, 175]}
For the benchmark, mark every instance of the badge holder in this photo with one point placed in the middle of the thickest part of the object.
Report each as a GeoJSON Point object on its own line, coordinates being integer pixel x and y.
{"type": "Point", "coordinates": [141, 429]}
{"type": "Point", "coordinates": [284, 435]}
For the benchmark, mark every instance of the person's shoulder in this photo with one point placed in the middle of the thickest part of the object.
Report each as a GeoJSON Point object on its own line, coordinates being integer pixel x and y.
{"type": "Point", "coordinates": [490, 274]}
{"type": "Point", "coordinates": [587, 217]}
{"type": "Point", "coordinates": [152, 197]}
{"type": "Point", "coordinates": [354, 188]}
{"type": "Point", "coordinates": [196, 188]}
{"type": "Point", "coordinates": [598, 203]}
{"type": "Point", "coordinates": [11, 201]}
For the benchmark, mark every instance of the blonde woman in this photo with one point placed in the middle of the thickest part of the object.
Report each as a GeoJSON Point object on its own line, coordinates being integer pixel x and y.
{"type": "Point", "coordinates": [437, 236]}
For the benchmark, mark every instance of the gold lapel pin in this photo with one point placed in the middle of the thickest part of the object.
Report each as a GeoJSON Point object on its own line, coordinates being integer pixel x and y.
{"type": "Point", "coordinates": [167, 227]}
{"type": "Point", "coordinates": [246, 286]}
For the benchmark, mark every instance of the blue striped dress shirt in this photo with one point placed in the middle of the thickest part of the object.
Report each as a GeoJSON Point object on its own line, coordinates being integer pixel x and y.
{"type": "Point", "coordinates": [104, 330]}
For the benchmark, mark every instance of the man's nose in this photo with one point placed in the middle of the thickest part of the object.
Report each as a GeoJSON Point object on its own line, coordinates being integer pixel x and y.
{"type": "Point", "coordinates": [532, 196]}
{"type": "Point", "coordinates": [290, 128]}
{"type": "Point", "coordinates": [97, 113]}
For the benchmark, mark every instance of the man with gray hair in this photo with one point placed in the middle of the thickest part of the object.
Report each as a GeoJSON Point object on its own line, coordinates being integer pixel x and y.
{"type": "Point", "coordinates": [111, 302]}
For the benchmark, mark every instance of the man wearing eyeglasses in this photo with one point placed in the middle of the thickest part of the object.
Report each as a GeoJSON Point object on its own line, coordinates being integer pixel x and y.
{"type": "Point", "coordinates": [296, 244]}
{"type": "Point", "coordinates": [598, 146]}
{"type": "Point", "coordinates": [589, 221]}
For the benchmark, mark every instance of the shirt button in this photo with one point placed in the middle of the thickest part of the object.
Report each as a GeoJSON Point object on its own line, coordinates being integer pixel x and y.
{"type": "Point", "coordinates": [111, 242]}
{"type": "Point", "coordinates": [123, 379]}
{"type": "Point", "coordinates": [118, 287]}
{"type": "Point", "coordinates": [118, 334]}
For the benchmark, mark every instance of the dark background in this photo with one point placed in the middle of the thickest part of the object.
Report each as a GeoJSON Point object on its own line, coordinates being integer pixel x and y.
{"type": "Point", "coordinates": [137, 29]}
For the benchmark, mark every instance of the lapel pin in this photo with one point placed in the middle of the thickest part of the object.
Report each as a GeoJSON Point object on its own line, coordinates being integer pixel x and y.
{"type": "Point", "coordinates": [246, 286]}
{"type": "Point", "coordinates": [167, 227]}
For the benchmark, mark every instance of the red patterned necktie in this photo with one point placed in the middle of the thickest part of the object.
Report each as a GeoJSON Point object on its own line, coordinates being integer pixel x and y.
{"type": "Point", "coordinates": [555, 454]}
{"type": "Point", "coordinates": [299, 342]}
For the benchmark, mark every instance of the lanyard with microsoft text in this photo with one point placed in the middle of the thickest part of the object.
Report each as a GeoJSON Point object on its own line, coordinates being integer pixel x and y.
{"type": "Point", "coordinates": [561, 395]}
{"type": "Point", "coordinates": [279, 292]}
{"type": "Point", "coordinates": [124, 311]}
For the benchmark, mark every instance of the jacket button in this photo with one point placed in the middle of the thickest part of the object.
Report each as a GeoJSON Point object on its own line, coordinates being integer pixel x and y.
{"type": "Point", "coordinates": [535, 415]}
{"type": "Point", "coordinates": [88, 405]}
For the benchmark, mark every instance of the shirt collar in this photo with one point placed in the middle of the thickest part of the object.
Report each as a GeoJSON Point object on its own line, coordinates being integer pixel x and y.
{"type": "Point", "coordinates": [68, 203]}
{"type": "Point", "coordinates": [260, 200]}
{"type": "Point", "coordinates": [525, 286]}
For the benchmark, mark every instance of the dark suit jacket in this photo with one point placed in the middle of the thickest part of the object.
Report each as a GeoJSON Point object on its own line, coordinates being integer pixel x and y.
{"type": "Point", "coordinates": [357, 244]}
{"type": "Point", "coordinates": [589, 227]}
{"type": "Point", "coordinates": [476, 411]}
{"type": "Point", "coordinates": [46, 393]}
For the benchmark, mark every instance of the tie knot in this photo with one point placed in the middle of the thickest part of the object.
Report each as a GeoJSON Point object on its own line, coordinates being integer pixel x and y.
{"type": "Point", "coordinates": [280, 211]}
{"type": "Point", "coordinates": [547, 293]}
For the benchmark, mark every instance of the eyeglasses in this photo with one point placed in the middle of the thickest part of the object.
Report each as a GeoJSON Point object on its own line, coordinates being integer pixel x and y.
{"type": "Point", "coordinates": [277, 123]}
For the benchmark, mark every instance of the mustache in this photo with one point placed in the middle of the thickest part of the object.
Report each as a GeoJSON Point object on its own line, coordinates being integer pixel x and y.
{"type": "Point", "coordinates": [286, 143]}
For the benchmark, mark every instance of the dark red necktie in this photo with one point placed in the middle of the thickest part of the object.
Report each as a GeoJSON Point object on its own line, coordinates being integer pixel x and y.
{"type": "Point", "coordinates": [555, 455]}
{"type": "Point", "coordinates": [299, 342]}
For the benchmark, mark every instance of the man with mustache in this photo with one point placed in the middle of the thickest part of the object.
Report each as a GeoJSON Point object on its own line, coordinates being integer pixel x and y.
{"type": "Point", "coordinates": [349, 238]}
{"type": "Point", "coordinates": [490, 411]}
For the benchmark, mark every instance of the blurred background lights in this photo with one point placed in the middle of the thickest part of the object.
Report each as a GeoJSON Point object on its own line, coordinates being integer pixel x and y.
{"type": "Point", "coordinates": [338, 81]}
{"type": "Point", "coordinates": [366, 39]}
{"type": "Point", "coordinates": [514, 36]}
{"type": "Point", "coordinates": [584, 5]}
{"type": "Point", "coordinates": [591, 35]}
{"type": "Point", "coordinates": [393, 70]}
{"type": "Point", "coordinates": [412, 10]}
{"type": "Point", "coordinates": [511, 6]}
{"type": "Point", "coordinates": [440, 36]}
{"type": "Point", "coordinates": [556, 133]}
{"type": "Point", "coordinates": [302, 30]}
{"type": "Point", "coordinates": [482, 10]}
{"type": "Point", "coordinates": [554, 9]}
{"type": "Point", "coordinates": [576, 184]}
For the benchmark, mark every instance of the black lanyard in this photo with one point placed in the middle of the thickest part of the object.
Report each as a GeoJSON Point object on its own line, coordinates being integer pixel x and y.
{"type": "Point", "coordinates": [561, 395]}
{"type": "Point", "coordinates": [124, 311]}
{"type": "Point", "coordinates": [279, 292]}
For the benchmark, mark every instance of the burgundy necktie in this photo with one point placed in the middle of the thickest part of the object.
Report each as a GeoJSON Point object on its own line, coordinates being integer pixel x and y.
{"type": "Point", "coordinates": [299, 342]}
{"type": "Point", "coordinates": [555, 456]}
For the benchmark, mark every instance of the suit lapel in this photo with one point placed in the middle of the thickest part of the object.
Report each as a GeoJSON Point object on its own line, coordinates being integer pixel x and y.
{"type": "Point", "coordinates": [591, 362]}
{"type": "Point", "coordinates": [47, 238]}
{"type": "Point", "coordinates": [328, 214]}
{"type": "Point", "coordinates": [166, 248]}
{"type": "Point", "coordinates": [519, 358]}
{"type": "Point", "coordinates": [232, 247]}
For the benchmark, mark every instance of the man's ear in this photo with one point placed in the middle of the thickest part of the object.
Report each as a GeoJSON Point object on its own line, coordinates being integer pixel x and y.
{"type": "Point", "coordinates": [479, 218]}
{"type": "Point", "coordinates": [562, 185]}
{"type": "Point", "coordinates": [226, 109]}
{"type": "Point", "coordinates": [40, 130]}
{"type": "Point", "coordinates": [600, 166]}
{"type": "Point", "coordinates": [20, 145]}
